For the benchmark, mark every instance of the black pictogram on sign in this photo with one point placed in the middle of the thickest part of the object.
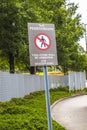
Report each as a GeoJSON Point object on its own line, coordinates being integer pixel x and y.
{"type": "Point", "coordinates": [42, 41]}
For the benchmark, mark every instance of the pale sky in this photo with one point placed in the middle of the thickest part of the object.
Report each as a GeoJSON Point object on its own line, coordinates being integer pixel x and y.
{"type": "Point", "coordinates": [83, 11]}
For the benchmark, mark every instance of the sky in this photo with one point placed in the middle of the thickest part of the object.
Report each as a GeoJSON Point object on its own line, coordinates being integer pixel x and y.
{"type": "Point", "coordinates": [82, 4]}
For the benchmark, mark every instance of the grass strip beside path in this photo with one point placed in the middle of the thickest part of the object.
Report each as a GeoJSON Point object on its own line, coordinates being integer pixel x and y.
{"type": "Point", "coordinates": [29, 113]}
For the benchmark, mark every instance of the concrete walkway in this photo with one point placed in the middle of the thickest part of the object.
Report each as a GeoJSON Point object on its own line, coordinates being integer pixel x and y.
{"type": "Point", "coordinates": [71, 113]}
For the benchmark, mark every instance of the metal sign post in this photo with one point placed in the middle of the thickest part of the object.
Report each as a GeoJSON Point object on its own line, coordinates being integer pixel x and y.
{"type": "Point", "coordinates": [47, 98]}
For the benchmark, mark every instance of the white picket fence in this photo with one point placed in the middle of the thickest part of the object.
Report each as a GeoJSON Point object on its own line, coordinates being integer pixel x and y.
{"type": "Point", "coordinates": [18, 85]}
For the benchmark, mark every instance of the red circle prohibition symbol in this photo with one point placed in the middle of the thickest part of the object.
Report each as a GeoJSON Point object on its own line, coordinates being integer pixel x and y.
{"type": "Point", "coordinates": [42, 41]}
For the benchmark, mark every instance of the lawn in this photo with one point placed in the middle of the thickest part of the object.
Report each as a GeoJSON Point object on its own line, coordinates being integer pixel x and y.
{"type": "Point", "coordinates": [29, 113]}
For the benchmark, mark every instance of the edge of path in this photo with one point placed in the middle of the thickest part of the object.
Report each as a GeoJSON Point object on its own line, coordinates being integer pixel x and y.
{"type": "Point", "coordinates": [65, 98]}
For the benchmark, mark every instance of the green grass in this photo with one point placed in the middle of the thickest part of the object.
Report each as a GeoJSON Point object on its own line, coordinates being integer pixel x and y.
{"type": "Point", "coordinates": [29, 113]}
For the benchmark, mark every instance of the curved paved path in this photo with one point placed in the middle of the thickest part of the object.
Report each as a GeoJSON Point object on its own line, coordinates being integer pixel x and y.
{"type": "Point", "coordinates": [71, 113]}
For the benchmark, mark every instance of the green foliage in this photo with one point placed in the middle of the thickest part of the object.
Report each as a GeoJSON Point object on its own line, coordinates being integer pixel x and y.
{"type": "Point", "coordinates": [29, 113]}
{"type": "Point", "coordinates": [15, 15]}
{"type": "Point", "coordinates": [60, 88]}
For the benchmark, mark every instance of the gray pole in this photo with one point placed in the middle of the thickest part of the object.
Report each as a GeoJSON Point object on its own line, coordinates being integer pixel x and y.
{"type": "Point", "coordinates": [86, 36]}
{"type": "Point", "coordinates": [47, 98]}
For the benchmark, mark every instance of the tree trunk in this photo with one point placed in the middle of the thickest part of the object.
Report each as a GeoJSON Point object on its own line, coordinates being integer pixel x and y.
{"type": "Point", "coordinates": [32, 70]}
{"type": "Point", "coordinates": [11, 63]}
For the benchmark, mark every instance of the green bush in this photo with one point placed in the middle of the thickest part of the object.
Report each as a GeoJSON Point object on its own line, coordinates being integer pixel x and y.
{"type": "Point", "coordinates": [29, 113]}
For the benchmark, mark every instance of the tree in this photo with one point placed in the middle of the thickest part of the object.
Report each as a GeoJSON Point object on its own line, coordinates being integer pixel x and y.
{"type": "Point", "coordinates": [13, 34]}
{"type": "Point", "coordinates": [67, 38]}
{"type": "Point", "coordinates": [9, 31]}
{"type": "Point", "coordinates": [16, 14]}
{"type": "Point", "coordinates": [68, 29]}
